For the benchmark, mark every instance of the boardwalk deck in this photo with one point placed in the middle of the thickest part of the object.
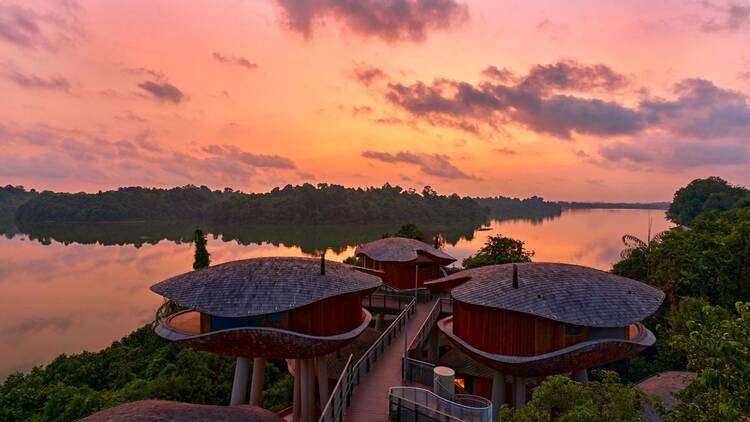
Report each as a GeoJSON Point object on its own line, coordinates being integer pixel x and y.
{"type": "Point", "coordinates": [370, 399]}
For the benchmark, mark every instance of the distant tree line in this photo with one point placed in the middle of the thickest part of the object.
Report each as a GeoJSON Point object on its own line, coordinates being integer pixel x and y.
{"type": "Point", "coordinates": [511, 208]}
{"type": "Point", "coordinates": [614, 205]}
{"type": "Point", "coordinates": [291, 204]}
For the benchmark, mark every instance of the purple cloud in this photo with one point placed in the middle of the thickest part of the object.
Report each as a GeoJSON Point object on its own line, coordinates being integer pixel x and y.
{"type": "Point", "coordinates": [163, 91]}
{"type": "Point", "coordinates": [389, 20]}
{"type": "Point", "coordinates": [438, 165]}
{"type": "Point", "coordinates": [234, 60]}
{"type": "Point", "coordinates": [30, 28]}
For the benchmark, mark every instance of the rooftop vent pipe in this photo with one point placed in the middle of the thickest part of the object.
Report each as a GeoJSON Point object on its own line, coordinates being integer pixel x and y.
{"type": "Point", "coordinates": [323, 263]}
{"type": "Point", "coordinates": [515, 276]}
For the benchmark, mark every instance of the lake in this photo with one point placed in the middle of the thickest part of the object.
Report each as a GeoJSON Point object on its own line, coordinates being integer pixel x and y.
{"type": "Point", "coordinates": [74, 287]}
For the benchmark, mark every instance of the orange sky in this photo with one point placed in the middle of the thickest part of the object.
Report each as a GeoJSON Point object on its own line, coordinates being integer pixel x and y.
{"type": "Point", "coordinates": [587, 101]}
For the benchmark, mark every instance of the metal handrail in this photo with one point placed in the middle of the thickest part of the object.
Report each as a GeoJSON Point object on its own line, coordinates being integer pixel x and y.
{"type": "Point", "coordinates": [446, 409]}
{"type": "Point", "coordinates": [351, 376]}
{"type": "Point", "coordinates": [336, 404]}
{"type": "Point", "coordinates": [427, 325]}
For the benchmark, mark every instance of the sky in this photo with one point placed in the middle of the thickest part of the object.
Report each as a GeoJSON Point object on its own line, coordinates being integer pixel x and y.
{"type": "Point", "coordinates": [569, 100]}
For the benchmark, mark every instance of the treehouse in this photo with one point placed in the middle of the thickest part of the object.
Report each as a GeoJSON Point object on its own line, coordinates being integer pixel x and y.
{"type": "Point", "coordinates": [404, 262]}
{"type": "Point", "coordinates": [531, 320]}
{"type": "Point", "coordinates": [270, 308]}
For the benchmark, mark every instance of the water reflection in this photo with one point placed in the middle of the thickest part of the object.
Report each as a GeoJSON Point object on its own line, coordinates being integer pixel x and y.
{"type": "Point", "coordinates": [73, 287]}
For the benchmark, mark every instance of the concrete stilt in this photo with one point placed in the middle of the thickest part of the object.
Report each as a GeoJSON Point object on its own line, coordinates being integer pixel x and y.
{"type": "Point", "coordinates": [582, 376]}
{"type": "Point", "coordinates": [379, 322]}
{"type": "Point", "coordinates": [519, 392]}
{"type": "Point", "coordinates": [498, 393]}
{"type": "Point", "coordinates": [322, 367]}
{"type": "Point", "coordinates": [256, 386]}
{"type": "Point", "coordinates": [308, 391]}
{"type": "Point", "coordinates": [297, 417]}
{"type": "Point", "coordinates": [433, 346]}
{"type": "Point", "coordinates": [239, 385]}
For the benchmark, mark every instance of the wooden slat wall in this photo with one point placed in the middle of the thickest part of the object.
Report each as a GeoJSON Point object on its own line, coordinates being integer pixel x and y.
{"type": "Point", "coordinates": [328, 317]}
{"type": "Point", "coordinates": [510, 333]}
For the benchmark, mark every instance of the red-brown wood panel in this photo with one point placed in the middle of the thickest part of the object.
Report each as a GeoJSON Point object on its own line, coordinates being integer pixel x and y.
{"type": "Point", "coordinates": [328, 317]}
{"type": "Point", "coordinates": [401, 274]}
{"type": "Point", "coordinates": [510, 333]}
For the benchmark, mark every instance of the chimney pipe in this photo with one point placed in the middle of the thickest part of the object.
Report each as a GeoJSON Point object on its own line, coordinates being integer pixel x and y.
{"type": "Point", "coordinates": [323, 263]}
{"type": "Point", "coordinates": [515, 276]}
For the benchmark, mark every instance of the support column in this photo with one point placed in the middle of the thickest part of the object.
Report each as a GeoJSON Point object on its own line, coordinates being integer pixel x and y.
{"type": "Point", "coordinates": [519, 392]}
{"type": "Point", "coordinates": [256, 386]}
{"type": "Point", "coordinates": [239, 385]}
{"type": "Point", "coordinates": [297, 391]}
{"type": "Point", "coordinates": [379, 318]}
{"type": "Point", "coordinates": [582, 376]}
{"type": "Point", "coordinates": [498, 393]}
{"type": "Point", "coordinates": [433, 346]}
{"type": "Point", "coordinates": [322, 381]}
{"type": "Point", "coordinates": [308, 391]}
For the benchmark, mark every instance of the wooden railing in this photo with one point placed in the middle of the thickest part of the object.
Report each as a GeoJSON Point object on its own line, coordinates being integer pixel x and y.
{"type": "Point", "coordinates": [352, 375]}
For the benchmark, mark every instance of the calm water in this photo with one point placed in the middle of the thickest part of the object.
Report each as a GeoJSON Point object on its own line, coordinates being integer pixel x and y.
{"type": "Point", "coordinates": [79, 287]}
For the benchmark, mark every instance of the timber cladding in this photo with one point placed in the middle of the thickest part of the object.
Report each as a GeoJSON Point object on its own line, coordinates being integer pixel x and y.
{"type": "Point", "coordinates": [504, 332]}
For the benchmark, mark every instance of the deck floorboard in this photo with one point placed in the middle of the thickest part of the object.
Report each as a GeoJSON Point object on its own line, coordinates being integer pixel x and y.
{"type": "Point", "coordinates": [370, 399]}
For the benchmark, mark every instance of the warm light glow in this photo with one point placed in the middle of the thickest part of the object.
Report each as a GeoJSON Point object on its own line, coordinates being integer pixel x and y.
{"type": "Point", "coordinates": [258, 94]}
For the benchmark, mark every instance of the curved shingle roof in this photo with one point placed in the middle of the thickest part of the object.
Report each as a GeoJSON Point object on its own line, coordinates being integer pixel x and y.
{"type": "Point", "coordinates": [400, 249]}
{"type": "Point", "coordinates": [562, 292]}
{"type": "Point", "coordinates": [263, 285]}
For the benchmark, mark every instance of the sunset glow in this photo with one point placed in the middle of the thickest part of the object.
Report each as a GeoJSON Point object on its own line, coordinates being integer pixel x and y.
{"type": "Point", "coordinates": [577, 100]}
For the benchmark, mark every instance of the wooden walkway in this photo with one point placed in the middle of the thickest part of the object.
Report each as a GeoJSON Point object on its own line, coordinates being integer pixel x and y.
{"type": "Point", "coordinates": [370, 399]}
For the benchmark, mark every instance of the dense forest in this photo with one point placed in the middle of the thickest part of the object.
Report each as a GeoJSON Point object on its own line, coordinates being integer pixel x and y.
{"type": "Point", "coordinates": [289, 205]}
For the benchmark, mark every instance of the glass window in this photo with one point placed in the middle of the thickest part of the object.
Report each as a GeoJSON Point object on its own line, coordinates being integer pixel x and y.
{"type": "Point", "coordinates": [573, 330]}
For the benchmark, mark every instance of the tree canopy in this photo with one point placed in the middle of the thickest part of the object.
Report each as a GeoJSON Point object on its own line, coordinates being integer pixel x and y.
{"type": "Point", "coordinates": [499, 250]}
{"type": "Point", "coordinates": [202, 257]}
{"type": "Point", "coordinates": [706, 195]}
{"type": "Point", "coordinates": [562, 399]}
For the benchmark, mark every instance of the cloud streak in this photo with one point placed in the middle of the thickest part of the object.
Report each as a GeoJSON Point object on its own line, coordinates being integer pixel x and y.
{"type": "Point", "coordinates": [438, 165]}
{"type": "Point", "coordinates": [31, 81]}
{"type": "Point", "coordinates": [52, 155]}
{"type": "Point", "coordinates": [389, 20]}
{"type": "Point", "coordinates": [29, 28]}
{"type": "Point", "coordinates": [234, 60]}
{"type": "Point", "coordinates": [163, 91]}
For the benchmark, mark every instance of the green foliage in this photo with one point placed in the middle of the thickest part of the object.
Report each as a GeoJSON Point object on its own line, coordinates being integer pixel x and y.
{"type": "Point", "coordinates": [705, 195]}
{"type": "Point", "coordinates": [499, 250]}
{"type": "Point", "coordinates": [332, 204]}
{"type": "Point", "coordinates": [635, 257]}
{"type": "Point", "coordinates": [711, 260]}
{"type": "Point", "coordinates": [354, 260]}
{"type": "Point", "coordinates": [202, 257]}
{"type": "Point", "coordinates": [562, 399]}
{"type": "Point", "coordinates": [718, 347]}
{"type": "Point", "coordinates": [140, 366]}
{"type": "Point", "coordinates": [410, 231]}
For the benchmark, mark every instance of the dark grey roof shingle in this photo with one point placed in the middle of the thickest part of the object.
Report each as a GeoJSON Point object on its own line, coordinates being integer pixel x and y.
{"type": "Point", "coordinates": [400, 249]}
{"type": "Point", "coordinates": [263, 285]}
{"type": "Point", "coordinates": [562, 292]}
